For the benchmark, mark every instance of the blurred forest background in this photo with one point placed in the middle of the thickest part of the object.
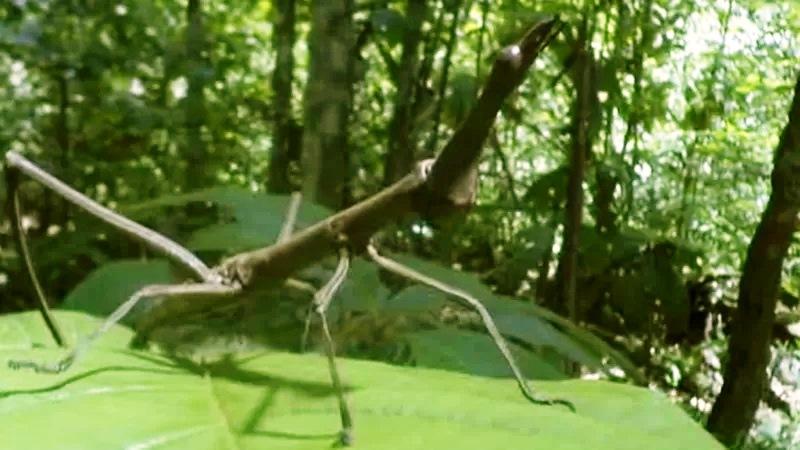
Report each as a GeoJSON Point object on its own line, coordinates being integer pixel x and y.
{"type": "Point", "coordinates": [620, 187]}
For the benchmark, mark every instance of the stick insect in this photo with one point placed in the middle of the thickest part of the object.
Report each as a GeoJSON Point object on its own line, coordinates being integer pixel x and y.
{"type": "Point", "coordinates": [344, 234]}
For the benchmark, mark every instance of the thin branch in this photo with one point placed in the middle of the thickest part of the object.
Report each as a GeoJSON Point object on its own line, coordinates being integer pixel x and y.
{"type": "Point", "coordinates": [512, 188]}
{"type": "Point", "coordinates": [484, 22]}
{"type": "Point", "coordinates": [443, 79]}
{"type": "Point", "coordinates": [391, 65]}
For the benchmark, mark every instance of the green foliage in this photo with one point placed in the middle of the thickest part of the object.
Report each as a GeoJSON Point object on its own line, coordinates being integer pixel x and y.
{"type": "Point", "coordinates": [414, 299]}
{"type": "Point", "coordinates": [25, 331]}
{"type": "Point", "coordinates": [463, 93]}
{"type": "Point", "coordinates": [121, 398]}
{"type": "Point", "coordinates": [248, 219]}
{"type": "Point", "coordinates": [363, 290]}
{"type": "Point", "coordinates": [107, 287]}
{"type": "Point", "coordinates": [389, 24]}
{"type": "Point", "coordinates": [522, 321]}
{"type": "Point", "coordinates": [473, 353]}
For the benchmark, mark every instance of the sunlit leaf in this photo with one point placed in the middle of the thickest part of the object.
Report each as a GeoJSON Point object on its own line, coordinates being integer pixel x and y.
{"type": "Point", "coordinates": [111, 284]}
{"type": "Point", "coordinates": [475, 353]}
{"type": "Point", "coordinates": [279, 400]}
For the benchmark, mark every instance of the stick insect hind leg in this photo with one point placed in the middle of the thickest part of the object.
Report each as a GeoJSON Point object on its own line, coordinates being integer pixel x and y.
{"type": "Point", "coordinates": [211, 283]}
{"type": "Point", "coordinates": [407, 272]}
{"type": "Point", "coordinates": [156, 290]}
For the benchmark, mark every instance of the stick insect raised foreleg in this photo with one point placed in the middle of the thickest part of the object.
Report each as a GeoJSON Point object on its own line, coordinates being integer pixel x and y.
{"type": "Point", "coordinates": [210, 284]}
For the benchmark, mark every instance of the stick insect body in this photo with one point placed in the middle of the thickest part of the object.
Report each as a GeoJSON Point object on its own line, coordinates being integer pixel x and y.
{"type": "Point", "coordinates": [346, 232]}
{"type": "Point", "coordinates": [214, 282]}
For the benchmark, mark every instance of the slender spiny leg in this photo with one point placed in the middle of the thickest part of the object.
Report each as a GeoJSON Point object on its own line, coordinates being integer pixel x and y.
{"type": "Point", "coordinates": [407, 272]}
{"type": "Point", "coordinates": [346, 436]}
{"type": "Point", "coordinates": [321, 302]}
{"type": "Point", "coordinates": [14, 210]}
{"type": "Point", "coordinates": [167, 290]}
{"type": "Point", "coordinates": [306, 328]}
{"type": "Point", "coordinates": [149, 237]}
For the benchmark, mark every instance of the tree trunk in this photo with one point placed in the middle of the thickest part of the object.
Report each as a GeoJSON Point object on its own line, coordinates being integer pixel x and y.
{"type": "Point", "coordinates": [61, 134]}
{"type": "Point", "coordinates": [328, 99]}
{"type": "Point", "coordinates": [433, 140]}
{"type": "Point", "coordinates": [604, 215]}
{"type": "Point", "coordinates": [580, 147]}
{"type": "Point", "coordinates": [195, 153]}
{"type": "Point", "coordinates": [606, 181]}
{"type": "Point", "coordinates": [283, 38]}
{"type": "Point", "coordinates": [400, 158]}
{"type": "Point", "coordinates": [751, 331]}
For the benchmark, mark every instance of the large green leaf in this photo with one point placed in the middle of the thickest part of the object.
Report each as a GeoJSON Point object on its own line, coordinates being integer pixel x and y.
{"type": "Point", "coordinates": [524, 320]}
{"type": "Point", "coordinates": [667, 288]}
{"type": "Point", "coordinates": [115, 398]}
{"type": "Point", "coordinates": [257, 217]}
{"type": "Point", "coordinates": [414, 299]}
{"type": "Point", "coordinates": [628, 292]}
{"type": "Point", "coordinates": [362, 290]}
{"type": "Point", "coordinates": [548, 190]}
{"type": "Point", "coordinates": [463, 90]}
{"type": "Point", "coordinates": [390, 24]}
{"type": "Point", "coordinates": [113, 283]}
{"type": "Point", "coordinates": [22, 331]}
{"type": "Point", "coordinates": [521, 327]}
{"type": "Point", "coordinates": [474, 353]}
{"type": "Point", "coordinates": [233, 236]}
